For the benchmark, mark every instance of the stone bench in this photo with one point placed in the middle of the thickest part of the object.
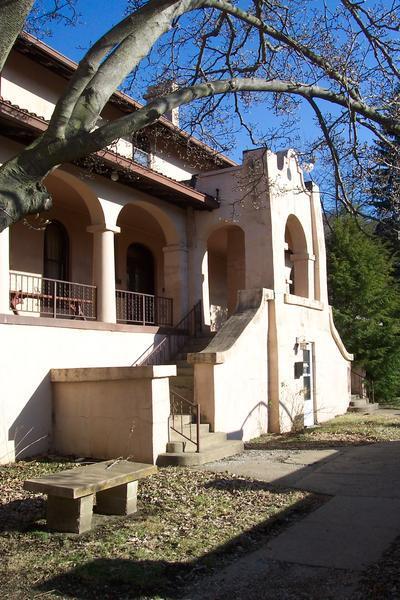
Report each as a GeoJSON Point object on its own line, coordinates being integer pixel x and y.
{"type": "Point", "coordinates": [71, 492]}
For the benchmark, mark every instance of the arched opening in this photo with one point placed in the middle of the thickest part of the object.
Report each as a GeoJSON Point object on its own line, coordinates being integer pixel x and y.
{"type": "Point", "coordinates": [296, 258]}
{"type": "Point", "coordinates": [140, 269]}
{"type": "Point", "coordinates": [139, 252]}
{"type": "Point", "coordinates": [56, 252]}
{"type": "Point", "coordinates": [226, 272]}
{"type": "Point", "coordinates": [55, 245]}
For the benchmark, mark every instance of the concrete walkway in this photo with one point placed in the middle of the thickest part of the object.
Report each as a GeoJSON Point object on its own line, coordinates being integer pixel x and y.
{"type": "Point", "coordinates": [327, 550]}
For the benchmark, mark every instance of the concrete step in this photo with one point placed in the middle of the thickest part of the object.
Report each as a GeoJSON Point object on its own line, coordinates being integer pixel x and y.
{"type": "Point", "coordinates": [181, 364]}
{"type": "Point", "coordinates": [185, 419]}
{"type": "Point", "coordinates": [207, 440]}
{"type": "Point", "coordinates": [183, 385]}
{"type": "Point", "coordinates": [185, 369]}
{"type": "Point", "coordinates": [187, 428]}
{"type": "Point", "coordinates": [359, 402]}
{"type": "Point", "coordinates": [186, 459]}
{"type": "Point", "coordinates": [365, 410]}
{"type": "Point", "coordinates": [196, 344]}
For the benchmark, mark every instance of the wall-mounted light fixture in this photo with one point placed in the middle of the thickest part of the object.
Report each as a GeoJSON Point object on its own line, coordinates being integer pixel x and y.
{"type": "Point", "coordinates": [114, 176]}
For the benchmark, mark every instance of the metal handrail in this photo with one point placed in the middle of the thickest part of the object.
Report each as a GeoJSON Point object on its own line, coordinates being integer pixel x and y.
{"type": "Point", "coordinates": [179, 406]}
{"type": "Point", "coordinates": [172, 343]}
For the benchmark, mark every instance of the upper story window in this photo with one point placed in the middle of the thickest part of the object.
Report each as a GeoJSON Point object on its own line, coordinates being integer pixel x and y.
{"type": "Point", "coordinates": [141, 148]}
{"type": "Point", "coordinates": [56, 252]}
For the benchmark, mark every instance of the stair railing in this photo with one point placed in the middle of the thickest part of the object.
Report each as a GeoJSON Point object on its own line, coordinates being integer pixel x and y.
{"type": "Point", "coordinates": [181, 407]}
{"type": "Point", "coordinates": [161, 352]}
{"type": "Point", "coordinates": [365, 384]}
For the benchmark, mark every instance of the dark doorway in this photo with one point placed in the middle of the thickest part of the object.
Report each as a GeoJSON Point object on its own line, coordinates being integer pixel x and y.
{"type": "Point", "coordinates": [140, 269]}
{"type": "Point", "coordinates": [56, 252]}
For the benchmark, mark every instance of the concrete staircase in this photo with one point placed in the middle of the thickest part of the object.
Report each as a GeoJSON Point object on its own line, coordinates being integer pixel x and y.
{"type": "Point", "coordinates": [183, 383]}
{"type": "Point", "coordinates": [361, 405]}
{"type": "Point", "coordinates": [213, 445]}
{"type": "Point", "coordinates": [182, 452]}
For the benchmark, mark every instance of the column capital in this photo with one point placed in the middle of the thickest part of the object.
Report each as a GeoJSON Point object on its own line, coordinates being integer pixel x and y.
{"type": "Point", "coordinates": [103, 228]}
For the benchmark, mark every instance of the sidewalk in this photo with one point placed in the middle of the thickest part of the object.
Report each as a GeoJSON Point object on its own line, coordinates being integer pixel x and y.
{"type": "Point", "coordinates": [323, 555]}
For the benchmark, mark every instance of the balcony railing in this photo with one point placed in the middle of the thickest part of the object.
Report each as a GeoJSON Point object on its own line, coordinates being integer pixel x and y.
{"type": "Point", "coordinates": [143, 309]}
{"type": "Point", "coordinates": [45, 297]}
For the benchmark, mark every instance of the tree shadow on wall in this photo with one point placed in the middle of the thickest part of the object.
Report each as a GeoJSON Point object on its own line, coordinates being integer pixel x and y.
{"type": "Point", "coordinates": [238, 434]}
{"type": "Point", "coordinates": [30, 431]}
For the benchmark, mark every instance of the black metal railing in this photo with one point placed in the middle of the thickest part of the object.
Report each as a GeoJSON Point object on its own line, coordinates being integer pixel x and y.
{"type": "Point", "coordinates": [163, 351]}
{"type": "Point", "coordinates": [184, 419]}
{"type": "Point", "coordinates": [46, 297]}
{"type": "Point", "coordinates": [143, 309]}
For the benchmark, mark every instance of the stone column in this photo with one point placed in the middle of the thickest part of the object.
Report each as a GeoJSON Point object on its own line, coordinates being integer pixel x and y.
{"type": "Point", "coordinates": [176, 278]}
{"type": "Point", "coordinates": [198, 278]}
{"type": "Point", "coordinates": [104, 271]}
{"type": "Point", "coordinates": [5, 271]}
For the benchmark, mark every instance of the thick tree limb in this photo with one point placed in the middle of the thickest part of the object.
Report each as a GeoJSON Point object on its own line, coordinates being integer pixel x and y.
{"type": "Point", "coordinates": [13, 14]}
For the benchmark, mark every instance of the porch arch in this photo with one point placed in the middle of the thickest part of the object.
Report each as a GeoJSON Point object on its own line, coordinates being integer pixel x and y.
{"type": "Point", "coordinates": [164, 221]}
{"type": "Point", "coordinates": [62, 181]}
{"type": "Point", "coordinates": [226, 271]}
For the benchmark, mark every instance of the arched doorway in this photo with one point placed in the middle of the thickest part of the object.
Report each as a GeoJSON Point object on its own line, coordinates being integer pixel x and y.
{"type": "Point", "coordinates": [226, 272]}
{"type": "Point", "coordinates": [140, 271]}
{"type": "Point", "coordinates": [56, 252]}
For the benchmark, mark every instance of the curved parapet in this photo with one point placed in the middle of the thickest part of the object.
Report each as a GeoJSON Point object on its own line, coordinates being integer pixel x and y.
{"type": "Point", "coordinates": [338, 340]}
{"type": "Point", "coordinates": [250, 302]}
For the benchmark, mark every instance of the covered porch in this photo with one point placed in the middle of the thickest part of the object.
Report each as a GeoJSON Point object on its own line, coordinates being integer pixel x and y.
{"type": "Point", "coordinates": [66, 265]}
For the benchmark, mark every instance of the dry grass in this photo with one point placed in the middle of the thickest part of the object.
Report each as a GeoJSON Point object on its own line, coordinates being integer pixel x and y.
{"type": "Point", "coordinates": [188, 522]}
{"type": "Point", "coordinates": [347, 430]}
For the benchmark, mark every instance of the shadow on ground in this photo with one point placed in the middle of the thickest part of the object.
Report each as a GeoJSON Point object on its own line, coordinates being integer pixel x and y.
{"type": "Point", "coordinates": [129, 578]}
{"type": "Point", "coordinates": [20, 515]}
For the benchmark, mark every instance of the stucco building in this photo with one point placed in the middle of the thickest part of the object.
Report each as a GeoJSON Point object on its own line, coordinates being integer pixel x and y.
{"type": "Point", "coordinates": [158, 252]}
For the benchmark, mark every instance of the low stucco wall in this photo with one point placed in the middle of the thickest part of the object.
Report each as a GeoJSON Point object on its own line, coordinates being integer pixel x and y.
{"type": "Point", "coordinates": [231, 374]}
{"type": "Point", "coordinates": [112, 412]}
{"type": "Point", "coordinates": [29, 352]}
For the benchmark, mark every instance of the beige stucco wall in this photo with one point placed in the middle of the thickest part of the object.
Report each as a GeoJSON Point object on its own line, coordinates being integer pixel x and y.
{"type": "Point", "coordinates": [261, 197]}
{"type": "Point", "coordinates": [28, 354]}
{"type": "Point", "coordinates": [231, 374]}
{"type": "Point", "coordinates": [112, 412]}
{"type": "Point", "coordinates": [330, 368]}
{"type": "Point", "coordinates": [30, 86]}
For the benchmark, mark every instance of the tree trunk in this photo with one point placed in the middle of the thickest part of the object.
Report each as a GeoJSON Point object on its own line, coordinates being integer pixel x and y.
{"type": "Point", "coordinates": [21, 193]}
{"type": "Point", "coordinates": [13, 14]}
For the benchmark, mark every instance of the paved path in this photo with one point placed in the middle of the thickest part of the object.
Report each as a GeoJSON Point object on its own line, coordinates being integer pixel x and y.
{"type": "Point", "coordinates": [326, 551]}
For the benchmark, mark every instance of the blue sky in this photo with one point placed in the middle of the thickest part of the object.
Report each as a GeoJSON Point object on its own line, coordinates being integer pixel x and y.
{"type": "Point", "coordinates": [97, 16]}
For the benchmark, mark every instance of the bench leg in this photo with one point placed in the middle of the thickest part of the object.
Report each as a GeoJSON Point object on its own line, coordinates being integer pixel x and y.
{"type": "Point", "coordinates": [120, 500]}
{"type": "Point", "coordinates": [68, 515]}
